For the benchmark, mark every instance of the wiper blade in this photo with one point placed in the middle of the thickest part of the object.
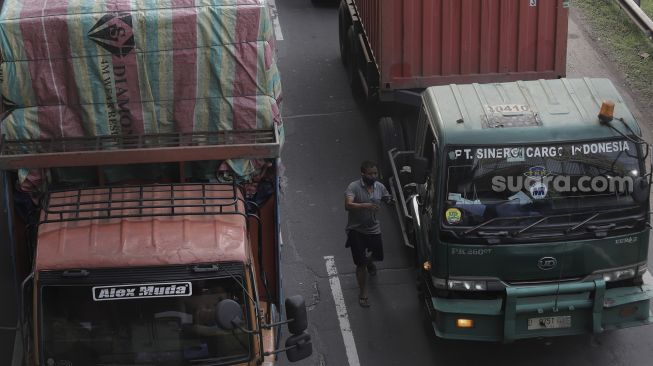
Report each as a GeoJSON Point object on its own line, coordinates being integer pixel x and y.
{"type": "Point", "coordinates": [597, 229]}
{"type": "Point", "coordinates": [602, 230]}
{"type": "Point", "coordinates": [487, 222]}
{"type": "Point", "coordinates": [576, 227]}
{"type": "Point", "coordinates": [465, 233]}
{"type": "Point", "coordinates": [522, 230]}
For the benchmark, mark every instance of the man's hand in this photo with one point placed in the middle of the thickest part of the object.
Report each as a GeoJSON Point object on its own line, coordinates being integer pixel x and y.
{"type": "Point", "coordinates": [370, 206]}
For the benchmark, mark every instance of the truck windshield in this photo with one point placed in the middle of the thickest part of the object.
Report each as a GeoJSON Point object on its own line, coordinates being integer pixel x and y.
{"type": "Point", "coordinates": [541, 191]}
{"type": "Point", "coordinates": [141, 324]}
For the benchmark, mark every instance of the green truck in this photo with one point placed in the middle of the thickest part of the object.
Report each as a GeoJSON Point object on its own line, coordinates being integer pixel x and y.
{"type": "Point", "coordinates": [527, 205]}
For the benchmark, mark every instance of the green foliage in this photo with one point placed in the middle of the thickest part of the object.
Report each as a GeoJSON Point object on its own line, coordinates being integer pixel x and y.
{"type": "Point", "coordinates": [622, 41]}
{"type": "Point", "coordinates": [647, 6]}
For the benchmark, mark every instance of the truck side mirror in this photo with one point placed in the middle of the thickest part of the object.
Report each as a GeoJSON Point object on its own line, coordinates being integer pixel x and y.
{"type": "Point", "coordinates": [228, 314]}
{"type": "Point", "coordinates": [298, 347]}
{"type": "Point", "coordinates": [419, 166]}
{"type": "Point", "coordinates": [296, 313]}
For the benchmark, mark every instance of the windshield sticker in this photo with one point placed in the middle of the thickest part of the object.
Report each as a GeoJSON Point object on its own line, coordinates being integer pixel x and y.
{"type": "Point", "coordinates": [536, 172]}
{"type": "Point", "coordinates": [538, 190]}
{"type": "Point", "coordinates": [516, 155]}
{"type": "Point", "coordinates": [519, 153]}
{"type": "Point", "coordinates": [453, 216]}
{"type": "Point", "coordinates": [140, 291]}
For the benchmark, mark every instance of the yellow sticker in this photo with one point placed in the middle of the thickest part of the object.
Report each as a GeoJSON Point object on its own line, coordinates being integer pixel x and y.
{"type": "Point", "coordinates": [453, 216]}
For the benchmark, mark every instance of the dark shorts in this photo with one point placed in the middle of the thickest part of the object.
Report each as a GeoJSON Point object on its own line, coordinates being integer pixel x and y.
{"type": "Point", "coordinates": [360, 243]}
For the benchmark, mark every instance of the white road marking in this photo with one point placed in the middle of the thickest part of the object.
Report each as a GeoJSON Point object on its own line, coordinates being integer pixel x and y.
{"type": "Point", "coordinates": [649, 280]}
{"type": "Point", "coordinates": [275, 20]}
{"type": "Point", "coordinates": [341, 310]}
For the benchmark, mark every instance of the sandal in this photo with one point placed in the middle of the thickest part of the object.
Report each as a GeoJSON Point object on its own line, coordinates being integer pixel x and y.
{"type": "Point", "coordinates": [371, 269]}
{"type": "Point", "coordinates": [363, 302]}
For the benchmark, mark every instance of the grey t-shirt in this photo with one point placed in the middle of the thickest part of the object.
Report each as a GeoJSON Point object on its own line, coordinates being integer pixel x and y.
{"type": "Point", "coordinates": [364, 220]}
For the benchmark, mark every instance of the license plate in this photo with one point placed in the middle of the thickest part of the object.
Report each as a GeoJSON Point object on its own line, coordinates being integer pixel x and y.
{"type": "Point", "coordinates": [550, 322]}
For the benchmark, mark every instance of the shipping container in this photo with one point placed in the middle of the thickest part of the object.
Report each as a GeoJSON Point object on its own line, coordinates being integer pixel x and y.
{"type": "Point", "coordinates": [413, 44]}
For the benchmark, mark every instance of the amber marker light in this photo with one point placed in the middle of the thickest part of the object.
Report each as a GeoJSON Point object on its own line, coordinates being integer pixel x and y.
{"type": "Point", "coordinates": [606, 114]}
{"type": "Point", "coordinates": [464, 323]}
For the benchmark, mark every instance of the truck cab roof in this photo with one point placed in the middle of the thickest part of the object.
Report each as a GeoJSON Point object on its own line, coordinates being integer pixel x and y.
{"type": "Point", "coordinates": [142, 226]}
{"type": "Point", "coordinates": [525, 112]}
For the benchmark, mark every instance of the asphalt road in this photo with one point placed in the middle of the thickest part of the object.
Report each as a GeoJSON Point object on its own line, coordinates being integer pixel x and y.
{"type": "Point", "coordinates": [327, 135]}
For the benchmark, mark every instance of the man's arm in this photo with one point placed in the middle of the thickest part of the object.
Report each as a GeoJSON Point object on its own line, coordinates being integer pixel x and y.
{"type": "Point", "coordinates": [385, 195]}
{"type": "Point", "coordinates": [351, 205]}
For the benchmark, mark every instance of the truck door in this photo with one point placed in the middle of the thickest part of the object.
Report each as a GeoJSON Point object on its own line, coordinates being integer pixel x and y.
{"type": "Point", "coordinates": [427, 149]}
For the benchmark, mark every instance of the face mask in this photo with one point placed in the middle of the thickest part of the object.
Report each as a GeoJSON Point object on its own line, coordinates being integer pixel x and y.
{"type": "Point", "coordinates": [368, 181]}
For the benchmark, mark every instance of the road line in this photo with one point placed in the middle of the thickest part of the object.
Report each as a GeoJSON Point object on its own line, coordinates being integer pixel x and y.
{"type": "Point", "coordinates": [341, 310]}
{"type": "Point", "coordinates": [648, 279]}
{"type": "Point", "coordinates": [275, 20]}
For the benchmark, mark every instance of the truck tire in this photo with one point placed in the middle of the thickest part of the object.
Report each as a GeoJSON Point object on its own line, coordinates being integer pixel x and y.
{"type": "Point", "coordinates": [353, 51]}
{"type": "Point", "coordinates": [343, 25]}
{"type": "Point", "coordinates": [392, 137]}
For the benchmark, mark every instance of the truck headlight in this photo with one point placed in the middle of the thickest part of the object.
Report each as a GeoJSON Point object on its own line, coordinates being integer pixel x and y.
{"type": "Point", "coordinates": [620, 274]}
{"type": "Point", "coordinates": [467, 285]}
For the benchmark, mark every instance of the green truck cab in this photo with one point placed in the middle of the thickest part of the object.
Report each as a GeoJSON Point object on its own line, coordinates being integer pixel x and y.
{"type": "Point", "coordinates": [527, 204]}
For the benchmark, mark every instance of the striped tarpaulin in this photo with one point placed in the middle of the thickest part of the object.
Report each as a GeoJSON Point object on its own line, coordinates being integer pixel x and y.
{"type": "Point", "coordinates": [85, 67]}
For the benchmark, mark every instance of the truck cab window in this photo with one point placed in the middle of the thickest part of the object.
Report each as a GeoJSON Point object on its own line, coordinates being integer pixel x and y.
{"type": "Point", "coordinates": [91, 325]}
{"type": "Point", "coordinates": [553, 188]}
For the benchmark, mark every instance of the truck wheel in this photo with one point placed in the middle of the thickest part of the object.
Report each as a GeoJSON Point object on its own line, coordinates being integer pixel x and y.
{"type": "Point", "coordinates": [343, 25]}
{"type": "Point", "coordinates": [353, 64]}
{"type": "Point", "coordinates": [392, 137]}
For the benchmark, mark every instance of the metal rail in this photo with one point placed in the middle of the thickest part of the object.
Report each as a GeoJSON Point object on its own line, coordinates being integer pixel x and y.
{"type": "Point", "coordinates": [142, 201]}
{"type": "Point", "coordinates": [638, 16]}
{"type": "Point", "coordinates": [140, 149]}
{"type": "Point", "coordinates": [398, 194]}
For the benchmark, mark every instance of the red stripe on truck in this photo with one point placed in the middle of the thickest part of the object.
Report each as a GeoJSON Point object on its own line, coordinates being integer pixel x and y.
{"type": "Point", "coordinates": [247, 29]}
{"type": "Point", "coordinates": [184, 64]}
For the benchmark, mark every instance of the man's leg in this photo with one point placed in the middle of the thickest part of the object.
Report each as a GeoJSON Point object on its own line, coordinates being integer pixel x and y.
{"type": "Point", "coordinates": [357, 246]}
{"type": "Point", "coordinates": [375, 246]}
{"type": "Point", "coordinates": [371, 267]}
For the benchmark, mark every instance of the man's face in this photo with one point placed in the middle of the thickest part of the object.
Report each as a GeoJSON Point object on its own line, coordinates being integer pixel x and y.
{"type": "Point", "coordinates": [371, 173]}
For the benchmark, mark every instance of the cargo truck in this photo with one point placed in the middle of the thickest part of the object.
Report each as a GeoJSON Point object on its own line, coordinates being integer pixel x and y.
{"type": "Point", "coordinates": [478, 124]}
{"type": "Point", "coordinates": [392, 50]}
{"type": "Point", "coordinates": [527, 205]}
{"type": "Point", "coordinates": [162, 272]}
{"type": "Point", "coordinates": [139, 166]}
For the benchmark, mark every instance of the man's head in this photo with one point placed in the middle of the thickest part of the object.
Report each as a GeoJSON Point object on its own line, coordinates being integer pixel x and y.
{"type": "Point", "coordinates": [369, 172]}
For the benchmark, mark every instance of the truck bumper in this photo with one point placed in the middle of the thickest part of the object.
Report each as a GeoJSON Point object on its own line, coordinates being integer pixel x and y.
{"type": "Point", "coordinates": [544, 311]}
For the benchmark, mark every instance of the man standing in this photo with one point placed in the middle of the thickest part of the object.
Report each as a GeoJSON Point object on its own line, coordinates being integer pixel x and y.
{"type": "Point", "coordinates": [362, 199]}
